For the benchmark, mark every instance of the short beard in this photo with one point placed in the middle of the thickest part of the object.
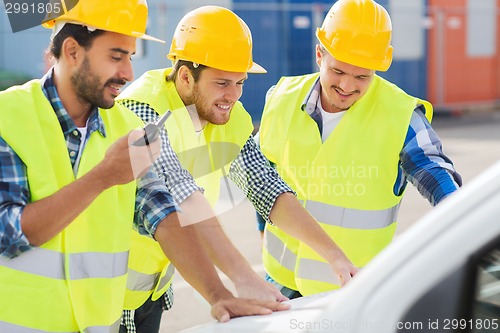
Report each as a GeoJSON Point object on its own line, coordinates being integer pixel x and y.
{"type": "Point", "coordinates": [204, 114]}
{"type": "Point", "coordinates": [87, 87]}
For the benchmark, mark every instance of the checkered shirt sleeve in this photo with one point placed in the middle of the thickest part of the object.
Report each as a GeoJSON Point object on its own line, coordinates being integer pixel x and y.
{"type": "Point", "coordinates": [179, 181]}
{"type": "Point", "coordinates": [254, 175]}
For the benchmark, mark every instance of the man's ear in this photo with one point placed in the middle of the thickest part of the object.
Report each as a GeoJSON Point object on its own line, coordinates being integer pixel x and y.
{"type": "Point", "coordinates": [319, 55]}
{"type": "Point", "coordinates": [184, 76]}
{"type": "Point", "coordinates": [71, 51]}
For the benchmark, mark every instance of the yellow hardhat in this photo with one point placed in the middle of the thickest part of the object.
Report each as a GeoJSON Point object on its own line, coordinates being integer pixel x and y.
{"type": "Point", "coordinates": [215, 37]}
{"type": "Point", "coordinates": [126, 17]}
{"type": "Point", "coordinates": [358, 32]}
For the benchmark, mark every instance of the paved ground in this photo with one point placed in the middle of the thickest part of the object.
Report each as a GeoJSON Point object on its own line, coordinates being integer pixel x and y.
{"type": "Point", "coordinates": [472, 140]}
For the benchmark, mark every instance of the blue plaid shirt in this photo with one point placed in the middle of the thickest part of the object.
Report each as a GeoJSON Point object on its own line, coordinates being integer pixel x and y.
{"type": "Point", "coordinates": [153, 201]}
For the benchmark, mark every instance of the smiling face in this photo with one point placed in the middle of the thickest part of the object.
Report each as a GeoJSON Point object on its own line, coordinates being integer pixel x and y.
{"type": "Point", "coordinates": [213, 94]}
{"type": "Point", "coordinates": [104, 69]}
{"type": "Point", "coordinates": [342, 84]}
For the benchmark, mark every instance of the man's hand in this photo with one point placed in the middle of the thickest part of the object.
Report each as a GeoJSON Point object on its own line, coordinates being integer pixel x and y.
{"type": "Point", "coordinates": [343, 268]}
{"type": "Point", "coordinates": [289, 215]}
{"type": "Point", "coordinates": [226, 309]}
{"type": "Point", "coordinates": [257, 288]}
{"type": "Point", "coordinates": [45, 218]}
{"type": "Point", "coordinates": [125, 162]}
{"type": "Point", "coordinates": [142, 157]}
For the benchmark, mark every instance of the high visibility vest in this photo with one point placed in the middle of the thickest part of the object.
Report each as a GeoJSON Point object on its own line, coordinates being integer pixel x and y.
{"type": "Point", "coordinates": [207, 157]}
{"type": "Point", "coordinates": [279, 253]}
{"type": "Point", "coordinates": [347, 182]}
{"type": "Point", "coordinates": [75, 282]}
{"type": "Point", "coordinates": [149, 271]}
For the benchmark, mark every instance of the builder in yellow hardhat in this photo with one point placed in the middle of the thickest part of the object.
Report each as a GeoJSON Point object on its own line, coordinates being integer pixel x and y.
{"type": "Point", "coordinates": [211, 133]}
{"type": "Point", "coordinates": [356, 139]}
{"type": "Point", "coordinates": [71, 185]}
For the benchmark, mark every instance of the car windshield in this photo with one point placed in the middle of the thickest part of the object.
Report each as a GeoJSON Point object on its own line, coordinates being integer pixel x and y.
{"type": "Point", "coordinates": [487, 301]}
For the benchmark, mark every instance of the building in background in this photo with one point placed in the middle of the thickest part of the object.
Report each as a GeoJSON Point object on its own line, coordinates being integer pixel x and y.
{"type": "Point", "coordinates": [446, 51]}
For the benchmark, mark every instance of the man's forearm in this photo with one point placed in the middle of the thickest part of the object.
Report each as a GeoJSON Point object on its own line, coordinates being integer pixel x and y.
{"type": "Point", "coordinates": [220, 249]}
{"type": "Point", "coordinates": [180, 243]}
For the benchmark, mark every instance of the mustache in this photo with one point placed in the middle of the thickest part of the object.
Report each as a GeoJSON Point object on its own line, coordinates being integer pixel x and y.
{"type": "Point", "coordinates": [116, 81]}
{"type": "Point", "coordinates": [342, 90]}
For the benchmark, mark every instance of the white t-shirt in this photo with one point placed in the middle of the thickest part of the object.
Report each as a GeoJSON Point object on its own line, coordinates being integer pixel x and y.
{"type": "Point", "coordinates": [330, 121]}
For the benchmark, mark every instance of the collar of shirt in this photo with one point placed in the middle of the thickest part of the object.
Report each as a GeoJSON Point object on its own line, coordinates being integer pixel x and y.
{"type": "Point", "coordinates": [312, 107]}
{"type": "Point", "coordinates": [94, 122]}
{"type": "Point", "coordinates": [310, 103]}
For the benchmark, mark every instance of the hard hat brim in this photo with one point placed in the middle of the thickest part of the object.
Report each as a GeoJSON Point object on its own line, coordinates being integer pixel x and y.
{"type": "Point", "coordinates": [257, 69]}
{"type": "Point", "coordinates": [57, 26]}
{"type": "Point", "coordinates": [146, 37]}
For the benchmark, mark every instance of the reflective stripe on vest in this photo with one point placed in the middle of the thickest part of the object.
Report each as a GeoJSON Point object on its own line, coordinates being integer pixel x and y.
{"type": "Point", "coordinates": [279, 256]}
{"type": "Point", "coordinates": [147, 264]}
{"type": "Point", "coordinates": [138, 281]}
{"type": "Point", "coordinates": [12, 328]}
{"type": "Point", "coordinates": [50, 264]}
{"type": "Point", "coordinates": [338, 216]}
{"type": "Point", "coordinates": [279, 251]}
{"type": "Point", "coordinates": [316, 270]}
{"type": "Point", "coordinates": [167, 278]}
{"type": "Point", "coordinates": [352, 218]}
{"type": "Point", "coordinates": [346, 218]}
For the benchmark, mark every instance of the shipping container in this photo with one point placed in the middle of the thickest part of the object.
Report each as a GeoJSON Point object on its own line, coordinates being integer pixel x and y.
{"type": "Point", "coordinates": [463, 53]}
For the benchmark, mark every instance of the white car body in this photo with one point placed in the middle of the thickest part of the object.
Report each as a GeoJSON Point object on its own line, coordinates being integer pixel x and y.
{"type": "Point", "coordinates": [441, 275]}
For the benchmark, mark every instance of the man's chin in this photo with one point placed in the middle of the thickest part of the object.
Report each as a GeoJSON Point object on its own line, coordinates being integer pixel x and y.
{"type": "Point", "coordinates": [341, 106]}
{"type": "Point", "coordinates": [107, 104]}
{"type": "Point", "coordinates": [220, 120]}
